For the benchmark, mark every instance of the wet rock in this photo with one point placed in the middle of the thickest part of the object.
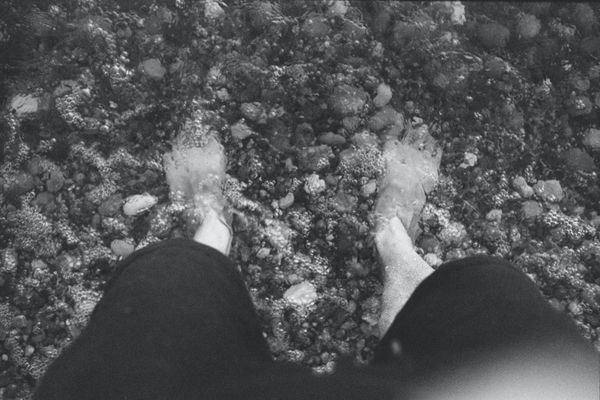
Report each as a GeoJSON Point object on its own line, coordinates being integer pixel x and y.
{"type": "Point", "coordinates": [301, 294]}
{"type": "Point", "coordinates": [153, 69]}
{"type": "Point", "coordinates": [384, 95]}
{"type": "Point", "coordinates": [454, 233]}
{"type": "Point", "coordinates": [338, 8]}
{"type": "Point", "coordinates": [584, 18]}
{"type": "Point", "coordinates": [579, 160]}
{"type": "Point", "coordinates": [494, 215]}
{"type": "Point", "coordinates": [25, 104]}
{"type": "Point", "coordinates": [591, 139]}
{"type": "Point", "coordinates": [212, 10]}
{"type": "Point", "coordinates": [43, 199]}
{"type": "Point", "coordinates": [353, 30]}
{"type": "Point", "coordinates": [528, 26]}
{"type": "Point", "coordinates": [432, 259]}
{"type": "Point", "coordinates": [531, 209]}
{"type": "Point", "coordinates": [521, 186]}
{"type": "Point", "coordinates": [343, 202]}
{"type": "Point", "coordinates": [348, 100]}
{"type": "Point", "coordinates": [469, 161]}
{"type": "Point", "coordinates": [314, 158]}
{"type": "Point", "coordinates": [384, 118]}
{"type": "Point", "coordinates": [369, 188]}
{"type": "Point", "coordinates": [139, 203]}
{"type": "Point", "coordinates": [332, 139]}
{"type": "Point", "coordinates": [286, 201]}
{"type": "Point", "coordinates": [315, 26]}
{"type": "Point", "coordinates": [253, 111]}
{"type": "Point", "coordinates": [122, 248]}
{"type": "Point", "coordinates": [314, 185]}
{"type": "Point", "coordinates": [493, 35]}
{"type": "Point", "coordinates": [579, 105]}
{"type": "Point", "coordinates": [19, 184]}
{"type": "Point", "coordinates": [550, 190]}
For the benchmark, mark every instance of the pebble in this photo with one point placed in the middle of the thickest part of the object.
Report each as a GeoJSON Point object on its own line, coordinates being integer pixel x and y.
{"type": "Point", "coordinates": [453, 233]}
{"type": "Point", "coordinates": [110, 207]}
{"type": "Point", "coordinates": [122, 248]}
{"type": "Point", "coordinates": [384, 95]}
{"type": "Point", "coordinates": [344, 202]}
{"type": "Point", "coordinates": [252, 111]}
{"type": "Point", "coordinates": [494, 215]}
{"type": "Point", "coordinates": [241, 131]}
{"type": "Point", "coordinates": [153, 68]}
{"type": "Point", "coordinates": [212, 10]}
{"type": "Point", "coordinates": [263, 253]}
{"type": "Point", "coordinates": [287, 201]}
{"type": "Point", "coordinates": [531, 209]}
{"type": "Point", "coordinates": [314, 185]}
{"type": "Point", "coordinates": [550, 190]}
{"type": "Point", "coordinates": [521, 186]}
{"type": "Point", "coordinates": [579, 160]}
{"type": "Point", "coordinates": [315, 26]}
{"type": "Point", "coordinates": [139, 203]}
{"type": "Point", "coordinates": [384, 118]}
{"type": "Point", "coordinates": [469, 161]}
{"type": "Point", "coordinates": [301, 294]}
{"type": "Point", "coordinates": [369, 188]}
{"type": "Point", "coordinates": [432, 259]}
{"type": "Point", "coordinates": [348, 100]}
{"type": "Point", "coordinates": [338, 8]}
{"type": "Point", "coordinates": [22, 183]}
{"type": "Point", "coordinates": [332, 139]}
{"type": "Point", "coordinates": [25, 104]}
{"type": "Point", "coordinates": [56, 181]}
{"type": "Point", "coordinates": [592, 139]}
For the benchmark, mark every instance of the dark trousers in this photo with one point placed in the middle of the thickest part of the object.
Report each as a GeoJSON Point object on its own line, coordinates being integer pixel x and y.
{"type": "Point", "coordinates": [176, 322]}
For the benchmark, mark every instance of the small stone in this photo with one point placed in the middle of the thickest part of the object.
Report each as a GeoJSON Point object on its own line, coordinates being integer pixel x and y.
{"type": "Point", "coordinates": [432, 259]}
{"type": "Point", "coordinates": [550, 190]}
{"type": "Point", "coordinates": [29, 350]}
{"type": "Point", "coordinates": [531, 209]}
{"type": "Point", "coordinates": [153, 68]}
{"type": "Point", "coordinates": [223, 94]}
{"type": "Point", "coordinates": [241, 131]}
{"type": "Point", "coordinates": [579, 160]}
{"type": "Point", "coordinates": [19, 322]}
{"type": "Point", "coordinates": [286, 201]}
{"type": "Point", "coordinates": [343, 202]}
{"type": "Point", "coordinates": [455, 233]}
{"type": "Point", "coordinates": [348, 100]}
{"type": "Point", "coordinates": [25, 104]}
{"type": "Point", "coordinates": [369, 188]}
{"type": "Point", "coordinates": [528, 26]}
{"type": "Point", "coordinates": [385, 118]}
{"type": "Point", "coordinates": [314, 158]}
{"type": "Point", "coordinates": [579, 105]}
{"type": "Point", "coordinates": [139, 203]}
{"type": "Point", "coordinates": [493, 35]}
{"type": "Point", "coordinates": [301, 294]}
{"type": "Point", "coordinates": [56, 181]}
{"type": "Point", "coordinates": [332, 139]}
{"type": "Point", "coordinates": [338, 8]}
{"type": "Point", "coordinates": [521, 186]}
{"type": "Point", "coordinates": [315, 26]}
{"type": "Point", "coordinates": [110, 207]}
{"type": "Point", "coordinates": [314, 185]}
{"type": "Point", "coordinates": [384, 95]}
{"type": "Point", "coordinates": [252, 111]}
{"type": "Point", "coordinates": [122, 248]}
{"type": "Point", "coordinates": [43, 199]}
{"type": "Point", "coordinates": [469, 161]}
{"type": "Point", "coordinates": [21, 184]}
{"type": "Point", "coordinates": [494, 215]}
{"type": "Point", "coordinates": [212, 10]}
{"type": "Point", "coordinates": [263, 253]}
{"type": "Point", "coordinates": [591, 139]}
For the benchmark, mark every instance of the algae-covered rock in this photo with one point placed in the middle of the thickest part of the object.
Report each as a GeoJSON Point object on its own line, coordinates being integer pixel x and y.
{"type": "Point", "coordinates": [348, 100]}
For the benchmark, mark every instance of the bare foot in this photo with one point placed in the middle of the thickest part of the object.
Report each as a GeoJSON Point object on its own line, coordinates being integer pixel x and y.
{"type": "Point", "coordinates": [411, 172]}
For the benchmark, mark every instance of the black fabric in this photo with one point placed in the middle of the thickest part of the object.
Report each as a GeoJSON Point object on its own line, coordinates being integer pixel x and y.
{"type": "Point", "coordinates": [176, 322]}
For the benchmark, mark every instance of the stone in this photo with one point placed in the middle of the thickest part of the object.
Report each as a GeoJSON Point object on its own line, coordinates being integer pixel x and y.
{"type": "Point", "coordinates": [110, 207]}
{"type": "Point", "coordinates": [454, 233]}
{"type": "Point", "coordinates": [241, 131]}
{"type": "Point", "coordinates": [550, 190]}
{"type": "Point", "coordinates": [579, 160]}
{"type": "Point", "coordinates": [153, 68]}
{"type": "Point", "coordinates": [494, 215]}
{"type": "Point", "coordinates": [385, 118]}
{"type": "Point", "coordinates": [314, 158]}
{"type": "Point", "coordinates": [139, 203]}
{"type": "Point", "coordinates": [122, 248]}
{"type": "Point", "coordinates": [591, 140]}
{"type": "Point", "coordinates": [469, 161]}
{"type": "Point", "coordinates": [384, 95]}
{"type": "Point", "coordinates": [531, 209]}
{"type": "Point", "coordinates": [528, 26]}
{"type": "Point", "coordinates": [432, 259]}
{"type": "Point", "coordinates": [21, 184]}
{"type": "Point", "coordinates": [369, 188]}
{"type": "Point", "coordinates": [287, 201]}
{"type": "Point", "coordinates": [332, 139]}
{"type": "Point", "coordinates": [301, 294]}
{"type": "Point", "coordinates": [348, 100]}
{"type": "Point", "coordinates": [315, 26]}
{"type": "Point", "coordinates": [314, 185]}
{"type": "Point", "coordinates": [212, 10]}
{"type": "Point", "coordinates": [338, 8]}
{"type": "Point", "coordinates": [56, 181]}
{"type": "Point", "coordinates": [25, 104]}
{"type": "Point", "coordinates": [252, 111]}
{"type": "Point", "coordinates": [343, 202]}
{"type": "Point", "coordinates": [521, 186]}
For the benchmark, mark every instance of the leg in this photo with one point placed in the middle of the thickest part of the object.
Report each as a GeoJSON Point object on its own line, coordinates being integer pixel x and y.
{"type": "Point", "coordinates": [176, 315]}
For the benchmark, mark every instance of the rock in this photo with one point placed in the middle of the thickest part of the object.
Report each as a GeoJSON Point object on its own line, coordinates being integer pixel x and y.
{"type": "Point", "coordinates": [343, 202]}
{"type": "Point", "coordinates": [579, 105]}
{"type": "Point", "coordinates": [263, 253]}
{"type": "Point", "coordinates": [139, 203]}
{"type": "Point", "coordinates": [354, 31]}
{"type": "Point", "coordinates": [301, 294]}
{"type": "Point", "coordinates": [315, 26]}
{"type": "Point", "coordinates": [550, 190]}
{"type": "Point", "coordinates": [384, 95]}
{"type": "Point", "coordinates": [348, 100]}
{"type": "Point", "coordinates": [469, 161]}
{"type": "Point", "coordinates": [591, 139]}
{"type": "Point", "coordinates": [531, 209]}
{"type": "Point", "coordinates": [110, 207]}
{"type": "Point", "coordinates": [241, 131]}
{"type": "Point", "coordinates": [56, 181]}
{"type": "Point", "coordinates": [332, 139]}
{"type": "Point", "coordinates": [338, 8]}
{"type": "Point", "coordinates": [494, 215]}
{"type": "Point", "coordinates": [25, 104]}
{"type": "Point", "coordinates": [253, 111]}
{"type": "Point", "coordinates": [20, 184]}
{"type": "Point", "coordinates": [384, 118]}
{"type": "Point", "coordinates": [579, 160]}
{"type": "Point", "coordinates": [314, 185]}
{"type": "Point", "coordinates": [493, 35]}
{"type": "Point", "coordinates": [212, 10]}
{"type": "Point", "coordinates": [369, 188]}
{"type": "Point", "coordinates": [454, 233]}
{"type": "Point", "coordinates": [528, 26]}
{"type": "Point", "coordinates": [122, 248]}
{"type": "Point", "coordinates": [432, 259]}
{"type": "Point", "coordinates": [43, 199]}
{"type": "Point", "coordinates": [286, 201]}
{"type": "Point", "coordinates": [521, 186]}
{"type": "Point", "coordinates": [314, 158]}
{"type": "Point", "coordinates": [153, 68]}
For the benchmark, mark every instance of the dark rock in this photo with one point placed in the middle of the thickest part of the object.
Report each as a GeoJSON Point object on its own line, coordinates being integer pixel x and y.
{"type": "Point", "coordinates": [314, 158]}
{"type": "Point", "coordinates": [493, 35]}
{"type": "Point", "coordinates": [579, 160]}
{"type": "Point", "coordinates": [348, 100]}
{"type": "Point", "coordinates": [111, 206]}
{"type": "Point", "coordinates": [56, 181]}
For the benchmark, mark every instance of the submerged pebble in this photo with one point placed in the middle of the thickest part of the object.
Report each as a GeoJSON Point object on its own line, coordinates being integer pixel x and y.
{"type": "Point", "coordinates": [301, 294]}
{"type": "Point", "coordinates": [139, 203]}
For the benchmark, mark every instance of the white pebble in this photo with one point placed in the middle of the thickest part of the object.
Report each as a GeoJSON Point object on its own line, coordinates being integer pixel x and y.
{"type": "Point", "coordinates": [121, 247]}
{"type": "Point", "coordinates": [24, 105]}
{"type": "Point", "coordinates": [212, 10]}
{"type": "Point", "coordinates": [138, 203]}
{"type": "Point", "coordinates": [432, 259]}
{"type": "Point", "coordinates": [470, 160]}
{"type": "Point", "coordinates": [384, 95]}
{"type": "Point", "coordinates": [339, 8]}
{"type": "Point", "coordinates": [301, 294]}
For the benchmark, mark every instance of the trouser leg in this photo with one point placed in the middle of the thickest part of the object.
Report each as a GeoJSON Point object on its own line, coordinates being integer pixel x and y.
{"type": "Point", "coordinates": [175, 317]}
